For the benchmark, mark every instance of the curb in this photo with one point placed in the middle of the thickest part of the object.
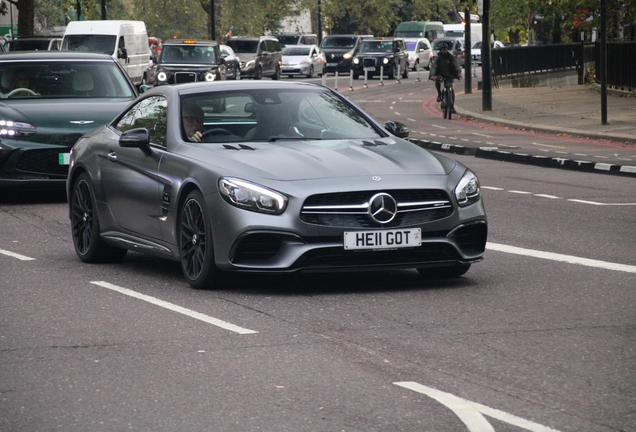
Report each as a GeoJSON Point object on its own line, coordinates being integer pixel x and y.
{"type": "Point", "coordinates": [507, 154]}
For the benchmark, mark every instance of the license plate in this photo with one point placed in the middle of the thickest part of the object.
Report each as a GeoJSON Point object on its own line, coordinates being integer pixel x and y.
{"type": "Point", "coordinates": [369, 69]}
{"type": "Point", "coordinates": [332, 64]}
{"type": "Point", "coordinates": [384, 239]}
{"type": "Point", "coordinates": [64, 158]}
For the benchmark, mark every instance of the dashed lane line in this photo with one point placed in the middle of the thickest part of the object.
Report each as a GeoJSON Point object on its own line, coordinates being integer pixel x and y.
{"type": "Point", "coordinates": [15, 255]}
{"type": "Point", "coordinates": [175, 308]}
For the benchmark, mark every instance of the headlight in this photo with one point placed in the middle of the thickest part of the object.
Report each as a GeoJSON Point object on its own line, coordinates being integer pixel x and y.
{"type": "Point", "coordinates": [356, 60]}
{"type": "Point", "coordinates": [304, 62]}
{"type": "Point", "coordinates": [250, 196]}
{"type": "Point", "coordinates": [161, 76]}
{"type": "Point", "coordinates": [467, 190]}
{"type": "Point", "coordinates": [210, 76]}
{"type": "Point", "coordinates": [385, 60]}
{"type": "Point", "coordinates": [249, 64]}
{"type": "Point", "coordinates": [10, 128]}
{"type": "Point", "coordinates": [347, 55]}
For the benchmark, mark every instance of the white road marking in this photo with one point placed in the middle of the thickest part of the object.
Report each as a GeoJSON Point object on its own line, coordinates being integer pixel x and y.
{"type": "Point", "coordinates": [547, 145]}
{"type": "Point", "coordinates": [520, 192]}
{"type": "Point", "coordinates": [410, 119]}
{"type": "Point", "coordinates": [492, 188]}
{"type": "Point", "coordinates": [175, 308]}
{"type": "Point", "coordinates": [482, 135]}
{"type": "Point", "coordinates": [471, 412]}
{"type": "Point", "coordinates": [437, 126]}
{"type": "Point", "coordinates": [547, 196]}
{"type": "Point", "coordinates": [570, 259]}
{"type": "Point", "coordinates": [601, 204]}
{"type": "Point", "coordinates": [15, 255]}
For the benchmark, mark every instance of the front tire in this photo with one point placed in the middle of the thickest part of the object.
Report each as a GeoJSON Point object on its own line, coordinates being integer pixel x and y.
{"type": "Point", "coordinates": [89, 246]}
{"type": "Point", "coordinates": [444, 272]}
{"type": "Point", "coordinates": [196, 250]}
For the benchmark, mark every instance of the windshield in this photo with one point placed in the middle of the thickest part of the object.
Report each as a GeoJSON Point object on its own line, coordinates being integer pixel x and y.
{"type": "Point", "coordinates": [340, 42]}
{"type": "Point", "coordinates": [275, 114]}
{"type": "Point", "coordinates": [243, 46]}
{"type": "Point", "coordinates": [188, 54]}
{"type": "Point", "coordinates": [296, 51]}
{"type": "Point", "coordinates": [409, 34]}
{"type": "Point", "coordinates": [376, 46]}
{"type": "Point", "coordinates": [63, 79]}
{"type": "Point", "coordinates": [90, 43]}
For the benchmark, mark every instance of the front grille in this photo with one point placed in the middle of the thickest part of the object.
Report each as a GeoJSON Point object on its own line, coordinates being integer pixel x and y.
{"type": "Point", "coordinates": [334, 258]}
{"type": "Point", "coordinates": [41, 162]}
{"type": "Point", "coordinates": [369, 62]}
{"type": "Point", "coordinates": [184, 77]}
{"type": "Point", "coordinates": [350, 209]}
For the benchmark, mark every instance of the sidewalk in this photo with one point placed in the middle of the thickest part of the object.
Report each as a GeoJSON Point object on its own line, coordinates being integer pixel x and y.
{"type": "Point", "coordinates": [570, 111]}
{"type": "Point", "coordinates": [574, 110]}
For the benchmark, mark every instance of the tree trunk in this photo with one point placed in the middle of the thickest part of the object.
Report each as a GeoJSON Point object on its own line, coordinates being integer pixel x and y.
{"type": "Point", "coordinates": [26, 17]}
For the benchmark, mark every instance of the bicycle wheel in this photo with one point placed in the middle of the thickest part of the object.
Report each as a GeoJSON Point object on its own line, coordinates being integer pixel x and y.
{"type": "Point", "coordinates": [448, 103]}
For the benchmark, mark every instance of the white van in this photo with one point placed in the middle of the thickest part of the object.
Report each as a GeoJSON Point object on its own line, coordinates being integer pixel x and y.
{"type": "Point", "coordinates": [125, 41]}
{"type": "Point", "coordinates": [458, 30]}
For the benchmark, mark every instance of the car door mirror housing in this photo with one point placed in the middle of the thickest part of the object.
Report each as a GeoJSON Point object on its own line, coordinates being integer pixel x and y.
{"type": "Point", "coordinates": [398, 129]}
{"type": "Point", "coordinates": [136, 138]}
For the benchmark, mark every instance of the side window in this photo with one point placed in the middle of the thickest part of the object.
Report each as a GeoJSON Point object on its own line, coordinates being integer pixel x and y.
{"type": "Point", "coordinates": [149, 113]}
{"type": "Point", "coordinates": [262, 46]}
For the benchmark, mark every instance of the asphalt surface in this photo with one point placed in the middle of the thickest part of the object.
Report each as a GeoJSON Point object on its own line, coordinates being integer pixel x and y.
{"type": "Point", "coordinates": [568, 111]}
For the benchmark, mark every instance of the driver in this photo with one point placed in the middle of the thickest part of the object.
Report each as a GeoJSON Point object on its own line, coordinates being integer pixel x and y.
{"type": "Point", "coordinates": [21, 80]}
{"type": "Point", "coordinates": [193, 117]}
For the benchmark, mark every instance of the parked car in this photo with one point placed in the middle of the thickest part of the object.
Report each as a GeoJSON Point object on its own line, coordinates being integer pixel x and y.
{"type": "Point", "coordinates": [292, 177]}
{"type": "Point", "coordinates": [454, 45]}
{"type": "Point", "coordinates": [381, 55]}
{"type": "Point", "coordinates": [232, 63]}
{"type": "Point", "coordinates": [305, 60]}
{"type": "Point", "coordinates": [34, 43]}
{"type": "Point", "coordinates": [187, 60]}
{"type": "Point", "coordinates": [60, 97]}
{"type": "Point", "coordinates": [420, 53]}
{"type": "Point", "coordinates": [475, 51]}
{"type": "Point", "coordinates": [260, 56]}
{"type": "Point", "coordinates": [340, 50]}
{"type": "Point", "coordinates": [286, 39]}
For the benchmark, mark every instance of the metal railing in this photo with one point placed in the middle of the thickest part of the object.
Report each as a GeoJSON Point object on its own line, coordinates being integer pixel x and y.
{"type": "Point", "coordinates": [518, 60]}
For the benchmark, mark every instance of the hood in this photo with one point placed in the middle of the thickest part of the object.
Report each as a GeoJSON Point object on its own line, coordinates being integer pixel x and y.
{"type": "Point", "coordinates": [305, 160]}
{"type": "Point", "coordinates": [295, 58]}
{"type": "Point", "coordinates": [62, 121]}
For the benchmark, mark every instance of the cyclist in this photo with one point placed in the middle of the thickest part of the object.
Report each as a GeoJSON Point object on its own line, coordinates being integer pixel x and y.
{"type": "Point", "coordinates": [445, 67]}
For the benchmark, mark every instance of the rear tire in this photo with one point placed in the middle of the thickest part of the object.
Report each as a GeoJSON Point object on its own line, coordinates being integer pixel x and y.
{"type": "Point", "coordinates": [196, 249]}
{"type": "Point", "coordinates": [89, 246]}
{"type": "Point", "coordinates": [444, 272]}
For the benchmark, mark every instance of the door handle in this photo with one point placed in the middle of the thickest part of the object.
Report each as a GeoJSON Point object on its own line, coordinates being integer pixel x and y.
{"type": "Point", "coordinates": [112, 156]}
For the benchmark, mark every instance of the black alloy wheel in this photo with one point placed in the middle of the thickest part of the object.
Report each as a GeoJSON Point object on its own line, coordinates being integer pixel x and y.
{"type": "Point", "coordinates": [196, 249]}
{"type": "Point", "coordinates": [89, 246]}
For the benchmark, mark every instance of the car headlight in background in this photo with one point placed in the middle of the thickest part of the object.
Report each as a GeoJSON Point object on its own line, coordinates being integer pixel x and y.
{"type": "Point", "coordinates": [467, 190]}
{"type": "Point", "coordinates": [9, 128]}
{"type": "Point", "coordinates": [356, 60]}
{"type": "Point", "coordinates": [385, 60]}
{"type": "Point", "coordinates": [347, 55]}
{"type": "Point", "coordinates": [250, 64]}
{"type": "Point", "coordinates": [162, 76]}
{"type": "Point", "coordinates": [210, 76]}
{"type": "Point", "coordinates": [250, 196]}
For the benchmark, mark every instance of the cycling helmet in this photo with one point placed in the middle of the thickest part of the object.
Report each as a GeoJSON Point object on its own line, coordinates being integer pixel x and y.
{"type": "Point", "coordinates": [443, 45]}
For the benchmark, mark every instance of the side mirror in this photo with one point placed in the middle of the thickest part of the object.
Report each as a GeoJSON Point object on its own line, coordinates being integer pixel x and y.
{"type": "Point", "coordinates": [136, 138]}
{"type": "Point", "coordinates": [122, 53]}
{"type": "Point", "coordinates": [398, 129]}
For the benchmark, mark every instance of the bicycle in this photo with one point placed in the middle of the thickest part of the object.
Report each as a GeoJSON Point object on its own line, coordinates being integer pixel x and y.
{"type": "Point", "coordinates": [447, 98]}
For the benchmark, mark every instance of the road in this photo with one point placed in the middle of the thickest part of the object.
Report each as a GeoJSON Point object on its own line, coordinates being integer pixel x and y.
{"type": "Point", "coordinates": [539, 336]}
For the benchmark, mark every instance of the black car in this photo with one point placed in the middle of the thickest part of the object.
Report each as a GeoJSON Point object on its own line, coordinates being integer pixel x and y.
{"type": "Point", "coordinates": [34, 43]}
{"type": "Point", "coordinates": [387, 56]}
{"type": "Point", "coordinates": [187, 60]}
{"type": "Point", "coordinates": [260, 56]}
{"type": "Point", "coordinates": [48, 100]}
{"type": "Point", "coordinates": [339, 51]}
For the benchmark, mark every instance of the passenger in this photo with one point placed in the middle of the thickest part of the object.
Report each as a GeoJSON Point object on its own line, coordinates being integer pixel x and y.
{"type": "Point", "coordinates": [193, 117]}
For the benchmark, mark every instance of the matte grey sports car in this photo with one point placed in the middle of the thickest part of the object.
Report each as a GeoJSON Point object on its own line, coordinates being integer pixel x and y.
{"type": "Point", "coordinates": [286, 177]}
{"type": "Point", "coordinates": [48, 100]}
